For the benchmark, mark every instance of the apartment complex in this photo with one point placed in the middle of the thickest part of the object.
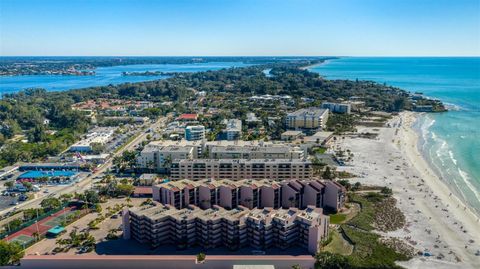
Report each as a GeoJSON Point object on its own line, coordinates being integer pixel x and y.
{"type": "Point", "coordinates": [217, 227]}
{"type": "Point", "coordinates": [342, 108]}
{"type": "Point", "coordinates": [251, 194]}
{"type": "Point", "coordinates": [307, 119]}
{"type": "Point", "coordinates": [194, 133]}
{"type": "Point", "coordinates": [236, 169]}
{"type": "Point", "coordinates": [154, 154]}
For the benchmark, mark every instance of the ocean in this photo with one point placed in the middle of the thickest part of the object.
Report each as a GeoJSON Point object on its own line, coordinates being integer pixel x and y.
{"type": "Point", "coordinates": [449, 141]}
{"type": "Point", "coordinates": [103, 76]}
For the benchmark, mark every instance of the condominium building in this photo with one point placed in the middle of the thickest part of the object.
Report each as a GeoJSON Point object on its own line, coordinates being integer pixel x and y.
{"type": "Point", "coordinates": [343, 108]}
{"type": "Point", "coordinates": [325, 194]}
{"type": "Point", "coordinates": [194, 133]}
{"type": "Point", "coordinates": [307, 118]}
{"type": "Point", "coordinates": [233, 130]}
{"type": "Point", "coordinates": [217, 227]}
{"type": "Point", "coordinates": [158, 157]}
{"type": "Point", "coordinates": [275, 151]}
{"type": "Point", "coordinates": [251, 194]}
{"type": "Point", "coordinates": [156, 151]}
{"type": "Point", "coordinates": [236, 169]}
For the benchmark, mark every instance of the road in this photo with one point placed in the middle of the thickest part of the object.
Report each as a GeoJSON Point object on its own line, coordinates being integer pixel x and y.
{"type": "Point", "coordinates": [86, 183]}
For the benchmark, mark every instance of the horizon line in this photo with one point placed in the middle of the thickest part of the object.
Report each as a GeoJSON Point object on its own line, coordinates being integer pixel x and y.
{"type": "Point", "coordinates": [258, 56]}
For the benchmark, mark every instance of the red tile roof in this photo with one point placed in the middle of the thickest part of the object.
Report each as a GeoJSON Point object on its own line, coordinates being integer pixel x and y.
{"type": "Point", "coordinates": [188, 117]}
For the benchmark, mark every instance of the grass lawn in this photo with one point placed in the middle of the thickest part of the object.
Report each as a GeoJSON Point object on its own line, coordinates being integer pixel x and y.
{"type": "Point", "coordinates": [365, 219]}
{"type": "Point", "coordinates": [338, 245]}
{"type": "Point", "coordinates": [369, 252]}
{"type": "Point", "coordinates": [320, 150]}
{"type": "Point", "coordinates": [337, 218]}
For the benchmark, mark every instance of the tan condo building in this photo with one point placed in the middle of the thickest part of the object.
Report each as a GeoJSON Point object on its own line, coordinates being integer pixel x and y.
{"type": "Point", "coordinates": [259, 229]}
{"type": "Point", "coordinates": [307, 118]}
{"type": "Point", "coordinates": [237, 169]}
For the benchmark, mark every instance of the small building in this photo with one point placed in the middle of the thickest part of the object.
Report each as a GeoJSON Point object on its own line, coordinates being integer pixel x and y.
{"type": "Point", "coordinates": [234, 129]}
{"type": "Point", "coordinates": [147, 179]}
{"type": "Point", "coordinates": [194, 133]}
{"type": "Point", "coordinates": [96, 159]}
{"type": "Point", "coordinates": [188, 117]}
{"type": "Point", "coordinates": [342, 108]}
{"type": "Point", "coordinates": [71, 166]}
{"type": "Point", "coordinates": [319, 138]}
{"type": "Point", "coordinates": [143, 192]}
{"type": "Point", "coordinates": [291, 135]}
{"type": "Point", "coordinates": [252, 119]}
{"type": "Point", "coordinates": [55, 231]}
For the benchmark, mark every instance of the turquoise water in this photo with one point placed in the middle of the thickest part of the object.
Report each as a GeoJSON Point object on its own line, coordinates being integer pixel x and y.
{"type": "Point", "coordinates": [450, 141]}
{"type": "Point", "coordinates": [104, 76]}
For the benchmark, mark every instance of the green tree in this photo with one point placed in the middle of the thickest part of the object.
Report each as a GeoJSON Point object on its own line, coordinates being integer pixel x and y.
{"type": "Point", "coordinates": [9, 184]}
{"type": "Point", "coordinates": [13, 225]}
{"type": "Point", "coordinates": [328, 174]}
{"type": "Point", "coordinates": [327, 260]}
{"type": "Point", "coordinates": [98, 208]}
{"type": "Point", "coordinates": [92, 197]}
{"type": "Point", "coordinates": [10, 253]}
{"type": "Point", "coordinates": [97, 148]}
{"type": "Point", "coordinates": [50, 203]}
{"type": "Point", "coordinates": [386, 191]}
{"type": "Point", "coordinates": [125, 189]}
{"type": "Point", "coordinates": [28, 185]}
{"type": "Point", "coordinates": [345, 183]}
{"type": "Point", "coordinates": [201, 257]}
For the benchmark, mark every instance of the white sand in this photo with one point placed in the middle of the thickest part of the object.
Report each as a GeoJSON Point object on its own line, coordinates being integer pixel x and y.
{"type": "Point", "coordinates": [436, 219]}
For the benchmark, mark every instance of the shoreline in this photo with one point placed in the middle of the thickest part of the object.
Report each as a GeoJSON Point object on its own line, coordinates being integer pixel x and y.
{"type": "Point", "coordinates": [422, 162]}
{"type": "Point", "coordinates": [308, 67]}
{"type": "Point", "coordinates": [437, 221]}
{"type": "Point", "coordinates": [410, 139]}
{"type": "Point", "coordinates": [435, 170]}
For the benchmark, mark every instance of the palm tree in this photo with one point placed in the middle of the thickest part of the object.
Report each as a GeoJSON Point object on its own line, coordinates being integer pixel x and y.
{"type": "Point", "coordinates": [36, 236]}
{"type": "Point", "coordinates": [85, 207]}
{"type": "Point", "coordinates": [128, 200]}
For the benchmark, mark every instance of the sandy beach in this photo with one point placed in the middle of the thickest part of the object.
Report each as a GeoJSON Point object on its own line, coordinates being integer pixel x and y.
{"type": "Point", "coordinates": [437, 221]}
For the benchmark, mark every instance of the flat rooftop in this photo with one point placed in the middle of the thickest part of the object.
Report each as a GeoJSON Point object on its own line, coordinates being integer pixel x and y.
{"type": "Point", "coordinates": [309, 112]}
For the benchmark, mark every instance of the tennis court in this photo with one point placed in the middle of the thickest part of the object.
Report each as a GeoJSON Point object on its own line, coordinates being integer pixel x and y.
{"type": "Point", "coordinates": [25, 235]}
{"type": "Point", "coordinates": [22, 240]}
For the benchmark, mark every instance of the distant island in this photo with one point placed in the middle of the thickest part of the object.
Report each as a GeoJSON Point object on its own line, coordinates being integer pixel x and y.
{"type": "Point", "coordinates": [84, 66]}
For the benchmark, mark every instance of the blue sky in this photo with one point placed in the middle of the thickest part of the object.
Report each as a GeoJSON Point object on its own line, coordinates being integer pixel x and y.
{"type": "Point", "coordinates": [240, 27]}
